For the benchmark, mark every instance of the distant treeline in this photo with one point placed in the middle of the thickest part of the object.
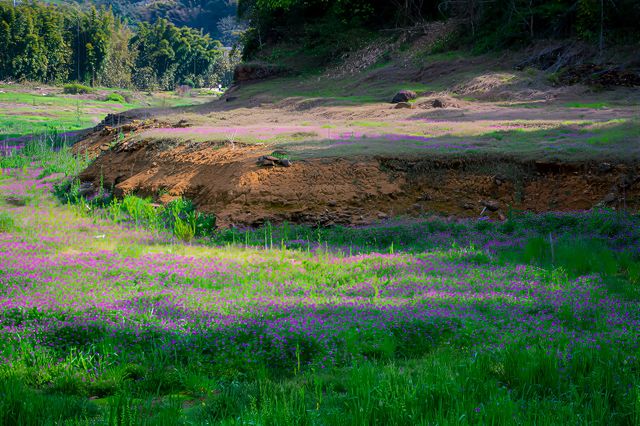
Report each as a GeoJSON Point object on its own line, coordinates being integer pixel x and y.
{"type": "Point", "coordinates": [57, 44]}
{"type": "Point", "coordinates": [488, 24]}
{"type": "Point", "coordinates": [205, 14]}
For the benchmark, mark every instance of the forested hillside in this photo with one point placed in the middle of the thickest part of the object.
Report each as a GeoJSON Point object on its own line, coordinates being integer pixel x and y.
{"type": "Point", "coordinates": [60, 44]}
{"type": "Point", "coordinates": [328, 27]}
{"type": "Point", "coordinates": [201, 14]}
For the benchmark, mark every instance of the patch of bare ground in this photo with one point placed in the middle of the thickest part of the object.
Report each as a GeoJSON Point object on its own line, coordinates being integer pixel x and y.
{"type": "Point", "coordinates": [228, 182]}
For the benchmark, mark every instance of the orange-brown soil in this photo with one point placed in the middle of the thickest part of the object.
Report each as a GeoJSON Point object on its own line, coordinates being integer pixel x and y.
{"type": "Point", "coordinates": [225, 180]}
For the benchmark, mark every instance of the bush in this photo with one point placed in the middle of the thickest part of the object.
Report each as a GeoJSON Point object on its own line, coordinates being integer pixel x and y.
{"type": "Point", "coordinates": [181, 216]}
{"type": "Point", "coordinates": [76, 89]}
{"type": "Point", "coordinates": [6, 222]}
{"type": "Point", "coordinates": [115, 97]}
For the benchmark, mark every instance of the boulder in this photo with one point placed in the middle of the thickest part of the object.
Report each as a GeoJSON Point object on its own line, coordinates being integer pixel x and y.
{"type": "Point", "coordinates": [438, 103]}
{"type": "Point", "coordinates": [271, 161]}
{"type": "Point", "coordinates": [255, 71]}
{"type": "Point", "coordinates": [404, 96]}
{"type": "Point", "coordinates": [491, 205]}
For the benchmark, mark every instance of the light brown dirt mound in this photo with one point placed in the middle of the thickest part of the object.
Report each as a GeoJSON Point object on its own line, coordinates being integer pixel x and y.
{"type": "Point", "coordinates": [227, 182]}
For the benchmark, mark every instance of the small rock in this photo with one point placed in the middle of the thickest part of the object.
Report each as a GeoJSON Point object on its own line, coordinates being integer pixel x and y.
{"type": "Point", "coordinates": [499, 180]}
{"type": "Point", "coordinates": [403, 105]}
{"type": "Point", "coordinates": [502, 217]}
{"type": "Point", "coordinates": [382, 215]}
{"type": "Point", "coordinates": [270, 161]}
{"type": "Point", "coordinates": [105, 147]}
{"type": "Point", "coordinates": [609, 198]}
{"type": "Point", "coordinates": [182, 123]}
{"type": "Point", "coordinates": [468, 206]}
{"type": "Point", "coordinates": [425, 197]}
{"type": "Point", "coordinates": [437, 103]}
{"type": "Point", "coordinates": [491, 205]}
{"type": "Point", "coordinates": [417, 206]}
{"type": "Point", "coordinates": [332, 203]}
{"type": "Point", "coordinates": [604, 167]}
{"type": "Point", "coordinates": [404, 96]}
{"type": "Point", "coordinates": [267, 163]}
{"type": "Point", "coordinates": [86, 189]}
{"type": "Point", "coordinates": [626, 181]}
{"type": "Point", "coordinates": [16, 201]}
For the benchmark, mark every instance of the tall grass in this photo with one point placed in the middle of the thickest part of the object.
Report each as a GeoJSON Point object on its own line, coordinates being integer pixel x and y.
{"type": "Point", "coordinates": [7, 222]}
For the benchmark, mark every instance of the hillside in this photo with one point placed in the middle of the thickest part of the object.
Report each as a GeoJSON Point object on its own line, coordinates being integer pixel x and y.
{"type": "Point", "coordinates": [482, 137]}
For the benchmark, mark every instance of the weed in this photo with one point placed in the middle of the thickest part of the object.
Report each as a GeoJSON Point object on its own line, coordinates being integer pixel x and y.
{"type": "Point", "coordinates": [7, 223]}
{"type": "Point", "coordinates": [76, 89]}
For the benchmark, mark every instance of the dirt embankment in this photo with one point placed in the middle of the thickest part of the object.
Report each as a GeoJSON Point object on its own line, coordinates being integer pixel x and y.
{"type": "Point", "coordinates": [226, 180]}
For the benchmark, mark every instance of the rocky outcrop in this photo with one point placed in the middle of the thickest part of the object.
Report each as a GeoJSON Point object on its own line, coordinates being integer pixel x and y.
{"type": "Point", "coordinates": [256, 71]}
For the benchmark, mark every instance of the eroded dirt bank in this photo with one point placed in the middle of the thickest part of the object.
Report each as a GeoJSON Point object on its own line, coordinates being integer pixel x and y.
{"type": "Point", "coordinates": [226, 180]}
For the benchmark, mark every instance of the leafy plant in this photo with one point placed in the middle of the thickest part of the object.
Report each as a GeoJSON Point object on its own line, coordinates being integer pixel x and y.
{"type": "Point", "coordinates": [7, 222]}
{"type": "Point", "coordinates": [76, 89]}
{"type": "Point", "coordinates": [115, 97]}
{"type": "Point", "coordinates": [180, 214]}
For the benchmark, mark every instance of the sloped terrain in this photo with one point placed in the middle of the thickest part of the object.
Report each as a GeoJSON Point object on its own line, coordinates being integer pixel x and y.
{"type": "Point", "coordinates": [480, 139]}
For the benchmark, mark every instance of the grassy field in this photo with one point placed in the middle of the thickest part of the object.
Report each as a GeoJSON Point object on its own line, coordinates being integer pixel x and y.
{"type": "Point", "coordinates": [25, 110]}
{"type": "Point", "coordinates": [114, 312]}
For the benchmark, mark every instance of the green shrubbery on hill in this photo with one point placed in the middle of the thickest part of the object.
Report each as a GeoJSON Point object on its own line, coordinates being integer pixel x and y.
{"type": "Point", "coordinates": [331, 26]}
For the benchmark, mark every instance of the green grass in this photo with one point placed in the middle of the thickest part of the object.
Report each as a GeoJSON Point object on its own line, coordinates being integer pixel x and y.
{"type": "Point", "coordinates": [429, 381]}
{"type": "Point", "coordinates": [476, 367]}
{"type": "Point", "coordinates": [344, 91]}
{"type": "Point", "coordinates": [588, 105]}
{"type": "Point", "coordinates": [7, 223]}
{"type": "Point", "coordinates": [23, 112]}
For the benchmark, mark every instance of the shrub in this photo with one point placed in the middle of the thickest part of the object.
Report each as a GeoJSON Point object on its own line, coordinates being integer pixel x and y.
{"type": "Point", "coordinates": [184, 230]}
{"type": "Point", "coordinates": [6, 222]}
{"type": "Point", "coordinates": [76, 89]}
{"type": "Point", "coordinates": [181, 216]}
{"type": "Point", "coordinates": [141, 211]}
{"type": "Point", "coordinates": [115, 97]}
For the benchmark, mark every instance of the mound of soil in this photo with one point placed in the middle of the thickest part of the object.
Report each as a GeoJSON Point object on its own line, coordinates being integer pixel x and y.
{"type": "Point", "coordinates": [227, 181]}
{"type": "Point", "coordinates": [598, 75]}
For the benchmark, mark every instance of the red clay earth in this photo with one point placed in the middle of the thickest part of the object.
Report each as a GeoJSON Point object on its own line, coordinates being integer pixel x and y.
{"type": "Point", "coordinates": [227, 181]}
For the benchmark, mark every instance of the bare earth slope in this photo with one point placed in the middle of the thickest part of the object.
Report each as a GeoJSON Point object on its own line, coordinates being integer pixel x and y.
{"type": "Point", "coordinates": [496, 139]}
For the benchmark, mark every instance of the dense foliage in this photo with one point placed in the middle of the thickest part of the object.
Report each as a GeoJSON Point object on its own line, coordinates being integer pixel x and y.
{"type": "Point", "coordinates": [201, 14]}
{"type": "Point", "coordinates": [59, 44]}
{"type": "Point", "coordinates": [332, 24]}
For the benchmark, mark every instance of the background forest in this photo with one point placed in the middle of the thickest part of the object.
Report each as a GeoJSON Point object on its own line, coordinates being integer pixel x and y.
{"type": "Point", "coordinates": [95, 46]}
{"type": "Point", "coordinates": [331, 26]}
{"type": "Point", "coordinates": [166, 44]}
